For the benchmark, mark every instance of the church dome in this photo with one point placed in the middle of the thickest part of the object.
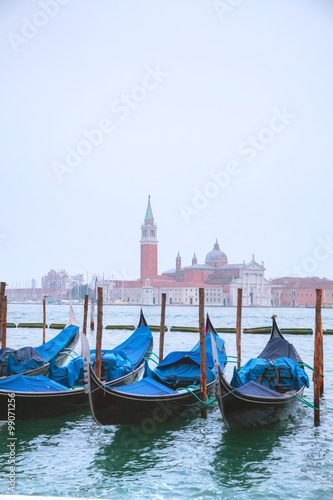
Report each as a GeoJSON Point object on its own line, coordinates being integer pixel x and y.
{"type": "Point", "coordinates": [216, 257]}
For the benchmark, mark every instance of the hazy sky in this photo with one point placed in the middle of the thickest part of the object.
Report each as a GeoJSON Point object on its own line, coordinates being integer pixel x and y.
{"type": "Point", "coordinates": [222, 113]}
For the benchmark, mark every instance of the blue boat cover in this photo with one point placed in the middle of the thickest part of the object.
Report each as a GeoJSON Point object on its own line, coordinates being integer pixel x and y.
{"type": "Point", "coordinates": [17, 358]}
{"type": "Point", "coordinates": [185, 365]}
{"type": "Point", "coordinates": [255, 367]}
{"type": "Point", "coordinates": [146, 387]}
{"type": "Point", "coordinates": [278, 347]}
{"type": "Point", "coordinates": [22, 383]}
{"type": "Point", "coordinates": [254, 389]}
{"type": "Point", "coordinates": [54, 346]}
{"type": "Point", "coordinates": [116, 362]}
{"type": "Point", "coordinates": [29, 358]}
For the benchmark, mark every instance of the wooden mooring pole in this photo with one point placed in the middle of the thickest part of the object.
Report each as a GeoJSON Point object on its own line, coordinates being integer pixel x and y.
{"type": "Point", "coordinates": [162, 328]}
{"type": "Point", "coordinates": [2, 296]}
{"type": "Point", "coordinates": [203, 368]}
{"type": "Point", "coordinates": [44, 318]}
{"type": "Point", "coordinates": [98, 362]}
{"type": "Point", "coordinates": [4, 322]}
{"type": "Point", "coordinates": [85, 314]}
{"type": "Point", "coordinates": [239, 327]}
{"type": "Point", "coordinates": [318, 363]}
{"type": "Point", "coordinates": [92, 314]}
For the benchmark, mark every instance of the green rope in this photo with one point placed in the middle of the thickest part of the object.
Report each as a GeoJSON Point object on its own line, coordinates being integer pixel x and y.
{"type": "Point", "coordinates": [204, 403]}
{"type": "Point", "coordinates": [232, 361]}
{"type": "Point", "coordinates": [232, 357]}
{"type": "Point", "coordinates": [70, 350]}
{"type": "Point", "coordinates": [152, 359]}
{"type": "Point", "coordinates": [308, 366]}
{"type": "Point", "coordinates": [151, 352]}
{"type": "Point", "coordinates": [307, 403]}
{"type": "Point", "coordinates": [209, 403]}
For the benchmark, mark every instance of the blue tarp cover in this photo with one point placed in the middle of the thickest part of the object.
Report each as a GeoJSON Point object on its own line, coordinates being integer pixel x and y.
{"type": "Point", "coordinates": [14, 367]}
{"type": "Point", "coordinates": [21, 360]}
{"type": "Point", "coordinates": [21, 383]}
{"type": "Point", "coordinates": [37, 357]}
{"type": "Point", "coordinates": [279, 348]}
{"type": "Point", "coordinates": [147, 387]}
{"type": "Point", "coordinates": [185, 365]}
{"type": "Point", "coordinates": [254, 389]}
{"type": "Point", "coordinates": [55, 345]}
{"type": "Point", "coordinates": [256, 367]}
{"type": "Point", "coordinates": [117, 362]}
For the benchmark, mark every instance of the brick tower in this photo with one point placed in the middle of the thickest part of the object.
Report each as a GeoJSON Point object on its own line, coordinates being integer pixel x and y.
{"type": "Point", "coordinates": [148, 243]}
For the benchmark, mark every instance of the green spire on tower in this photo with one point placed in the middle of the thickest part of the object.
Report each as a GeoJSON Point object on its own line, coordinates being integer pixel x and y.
{"type": "Point", "coordinates": [149, 212]}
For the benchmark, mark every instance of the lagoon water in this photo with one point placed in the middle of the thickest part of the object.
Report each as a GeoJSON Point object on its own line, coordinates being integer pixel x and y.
{"type": "Point", "coordinates": [193, 458]}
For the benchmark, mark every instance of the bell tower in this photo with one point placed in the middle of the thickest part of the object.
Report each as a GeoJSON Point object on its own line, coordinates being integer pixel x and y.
{"type": "Point", "coordinates": [148, 267]}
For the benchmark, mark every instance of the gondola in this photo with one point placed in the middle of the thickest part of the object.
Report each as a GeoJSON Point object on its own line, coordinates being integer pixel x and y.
{"type": "Point", "coordinates": [171, 390]}
{"type": "Point", "coordinates": [264, 390]}
{"type": "Point", "coordinates": [33, 361]}
{"type": "Point", "coordinates": [41, 397]}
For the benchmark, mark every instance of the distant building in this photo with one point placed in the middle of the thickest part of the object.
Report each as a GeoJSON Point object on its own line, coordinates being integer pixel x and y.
{"type": "Point", "coordinates": [181, 284]}
{"type": "Point", "coordinates": [301, 292]}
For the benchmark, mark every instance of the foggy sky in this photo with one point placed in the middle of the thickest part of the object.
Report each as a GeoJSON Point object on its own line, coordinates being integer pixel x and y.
{"type": "Point", "coordinates": [188, 93]}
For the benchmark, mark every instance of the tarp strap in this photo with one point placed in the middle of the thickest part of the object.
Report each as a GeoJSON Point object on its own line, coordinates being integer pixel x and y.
{"type": "Point", "coordinates": [307, 403]}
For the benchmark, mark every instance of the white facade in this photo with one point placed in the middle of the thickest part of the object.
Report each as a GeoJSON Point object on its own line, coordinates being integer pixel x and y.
{"type": "Point", "coordinates": [257, 291]}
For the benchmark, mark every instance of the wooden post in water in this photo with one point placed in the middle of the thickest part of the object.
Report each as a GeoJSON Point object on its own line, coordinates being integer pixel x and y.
{"type": "Point", "coordinates": [2, 296]}
{"type": "Point", "coordinates": [4, 322]}
{"type": "Point", "coordinates": [85, 314]}
{"type": "Point", "coordinates": [98, 362]}
{"type": "Point", "coordinates": [162, 327]}
{"type": "Point", "coordinates": [318, 355]}
{"type": "Point", "coordinates": [203, 368]}
{"type": "Point", "coordinates": [239, 327]}
{"type": "Point", "coordinates": [92, 314]}
{"type": "Point", "coordinates": [44, 318]}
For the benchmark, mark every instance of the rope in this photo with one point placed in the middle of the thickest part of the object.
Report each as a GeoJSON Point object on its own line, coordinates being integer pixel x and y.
{"type": "Point", "coordinates": [204, 403]}
{"type": "Point", "coordinates": [232, 361]}
{"type": "Point", "coordinates": [67, 349]}
{"type": "Point", "coordinates": [308, 366]}
{"type": "Point", "coordinates": [151, 352]}
{"type": "Point", "coordinates": [152, 359]}
{"type": "Point", "coordinates": [307, 403]}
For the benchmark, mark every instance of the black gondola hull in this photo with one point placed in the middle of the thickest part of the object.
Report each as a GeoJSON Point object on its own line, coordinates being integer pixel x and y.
{"type": "Point", "coordinates": [30, 405]}
{"type": "Point", "coordinates": [240, 410]}
{"type": "Point", "coordinates": [111, 407]}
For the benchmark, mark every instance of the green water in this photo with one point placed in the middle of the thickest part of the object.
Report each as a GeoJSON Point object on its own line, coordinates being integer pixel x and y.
{"type": "Point", "coordinates": [194, 458]}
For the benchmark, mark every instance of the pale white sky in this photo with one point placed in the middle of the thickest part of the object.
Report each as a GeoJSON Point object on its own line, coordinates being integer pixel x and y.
{"type": "Point", "coordinates": [203, 83]}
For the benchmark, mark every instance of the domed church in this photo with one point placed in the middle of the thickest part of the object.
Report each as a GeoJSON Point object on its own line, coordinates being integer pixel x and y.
{"type": "Point", "coordinates": [181, 284]}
